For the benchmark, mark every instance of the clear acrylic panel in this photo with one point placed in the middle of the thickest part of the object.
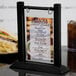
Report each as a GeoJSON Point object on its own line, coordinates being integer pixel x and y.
{"type": "Point", "coordinates": [39, 25]}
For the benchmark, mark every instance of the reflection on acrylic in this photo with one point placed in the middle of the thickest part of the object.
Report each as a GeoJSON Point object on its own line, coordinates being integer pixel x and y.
{"type": "Point", "coordinates": [40, 39]}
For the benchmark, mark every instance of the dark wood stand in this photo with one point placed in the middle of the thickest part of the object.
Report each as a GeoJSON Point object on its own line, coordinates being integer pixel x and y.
{"type": "Point", "coordinates": [40, 67]}
{"type": "Point", "coordinates": [55, 68]}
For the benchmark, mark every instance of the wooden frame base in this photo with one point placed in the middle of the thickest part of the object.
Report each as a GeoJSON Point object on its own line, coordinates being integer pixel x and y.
{"type": "Point", "coordinates": [40, 67]}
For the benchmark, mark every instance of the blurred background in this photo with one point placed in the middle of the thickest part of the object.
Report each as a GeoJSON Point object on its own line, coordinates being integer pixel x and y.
{"type": "Point", "coordinates": [8, 15]}
{"type": "Point", "coordinates": [8, 21]}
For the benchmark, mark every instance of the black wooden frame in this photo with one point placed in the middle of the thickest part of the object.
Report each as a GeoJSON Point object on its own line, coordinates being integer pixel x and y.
{"type": "Point", "coordinates": [57, 31]}
{"type": "Point", "coordinates": [38, 66]}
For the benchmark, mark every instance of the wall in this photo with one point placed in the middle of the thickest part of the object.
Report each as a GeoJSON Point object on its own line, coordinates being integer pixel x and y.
{"type": "Point", "coordinates": [8, 16]}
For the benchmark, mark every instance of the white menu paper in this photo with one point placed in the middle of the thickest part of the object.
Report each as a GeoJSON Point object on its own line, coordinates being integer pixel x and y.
{"type": "Point", "coordinates": [40, 41]}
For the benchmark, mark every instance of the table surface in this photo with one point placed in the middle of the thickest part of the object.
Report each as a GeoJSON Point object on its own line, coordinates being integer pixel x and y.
{"type": "Point", "coordinates": [6, 71]}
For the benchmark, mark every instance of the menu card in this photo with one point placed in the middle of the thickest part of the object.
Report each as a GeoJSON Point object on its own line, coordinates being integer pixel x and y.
{"type": "Point", "coordinates": [40, 45]}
